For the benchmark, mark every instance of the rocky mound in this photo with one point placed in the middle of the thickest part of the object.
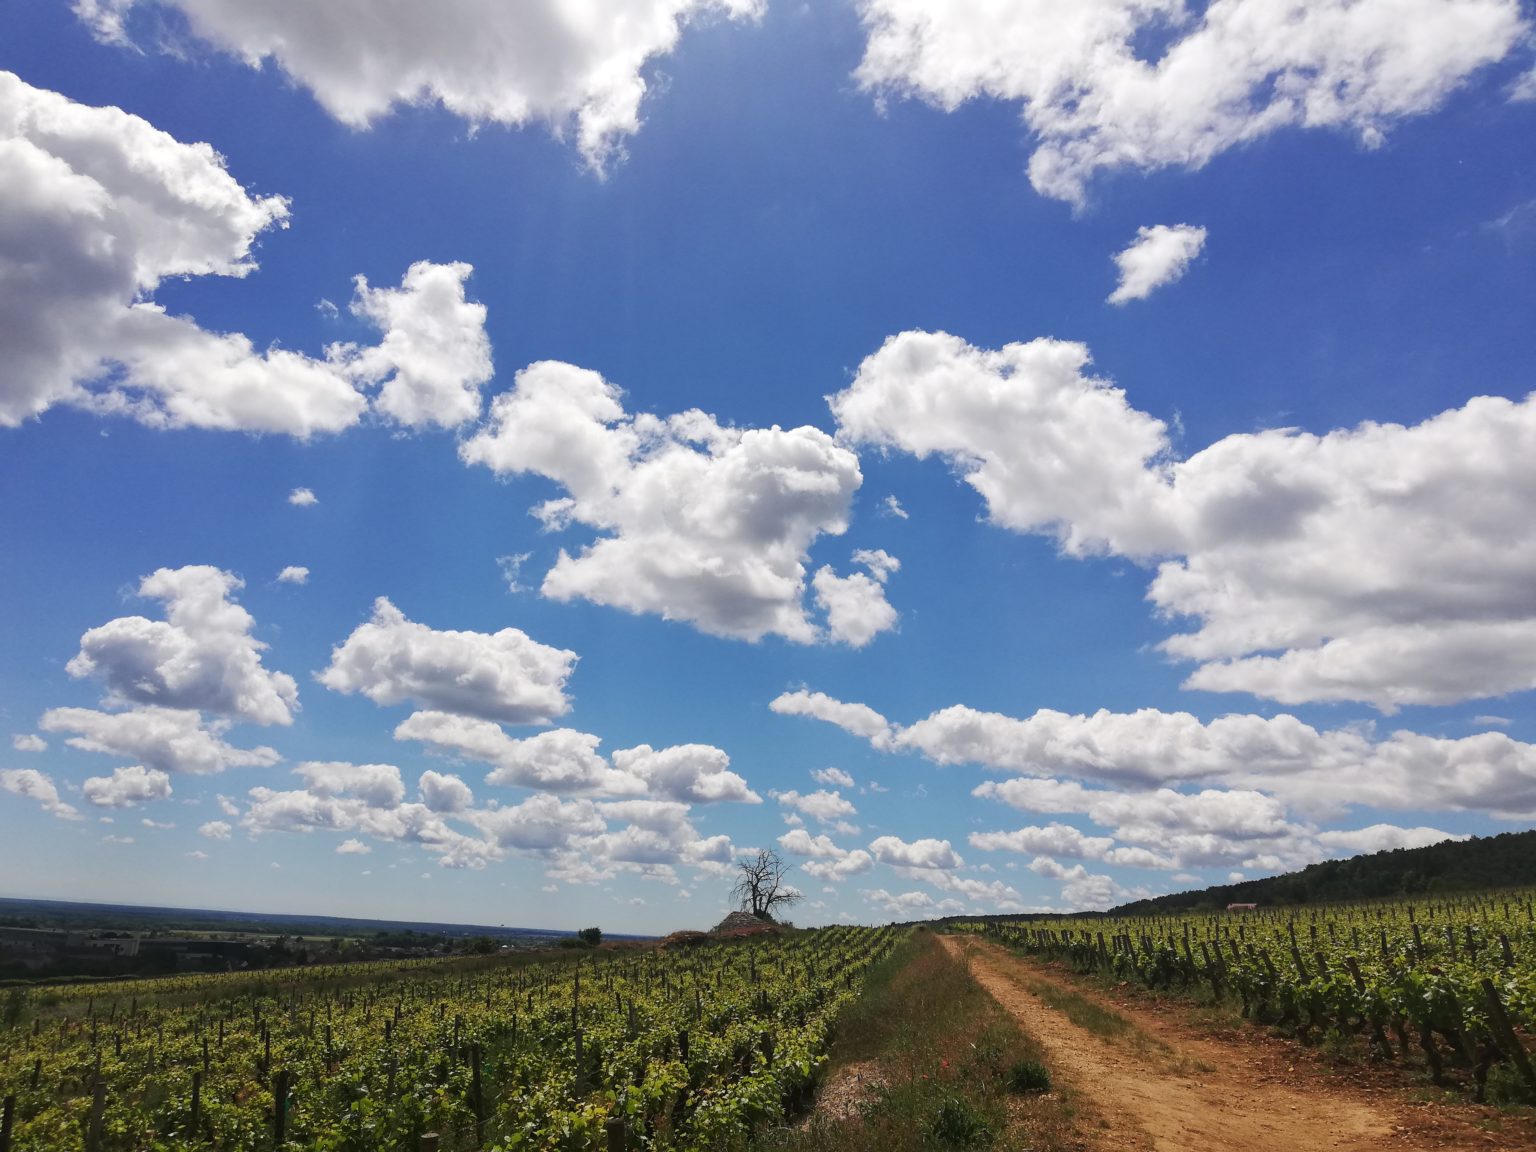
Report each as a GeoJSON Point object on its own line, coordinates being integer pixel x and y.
{"type": "Point", "coordinates": [740, 924]}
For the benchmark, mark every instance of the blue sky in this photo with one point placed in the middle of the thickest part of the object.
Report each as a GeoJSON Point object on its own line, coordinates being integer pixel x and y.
{"type": "Point", "coordinates": [792, 323]}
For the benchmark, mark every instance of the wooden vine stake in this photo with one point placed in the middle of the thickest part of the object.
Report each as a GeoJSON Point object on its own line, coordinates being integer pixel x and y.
{"type": "Point", "coordinates": [197, 1104]}
{"type": "Point", "coordinates": [7, 1119]}
{"type": "Point", "coordinates": [97, 1117]}
{"type": "Point", "coordinates": [613, 1128]}
{"type": "Point", "coordinates": [1507, 1035]}
{"type": "Point", "coordinates": [280, 1108]}
{"type": "Point", "coordinates": [478, 1094]}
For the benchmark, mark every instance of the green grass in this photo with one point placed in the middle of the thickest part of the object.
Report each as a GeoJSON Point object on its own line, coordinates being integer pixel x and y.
{"type": "Point", "coordinates": [1087, 1014]}
{"type": "Point", "coordinates": [946, 1058]}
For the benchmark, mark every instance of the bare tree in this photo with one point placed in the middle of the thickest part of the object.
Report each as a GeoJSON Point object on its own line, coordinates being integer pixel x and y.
{"type": "Point", "coordinates": [760, 887]}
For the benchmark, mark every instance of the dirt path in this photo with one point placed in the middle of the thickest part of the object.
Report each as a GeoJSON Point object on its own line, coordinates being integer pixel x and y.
{"type": "Point", "coordinates": [1170, 1090]}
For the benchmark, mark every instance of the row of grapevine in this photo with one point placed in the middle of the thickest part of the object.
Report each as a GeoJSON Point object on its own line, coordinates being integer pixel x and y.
{"type": "Point", "coordinates": [688, 1050]}
{"type": "Point", "coordinates": [1452, 981]}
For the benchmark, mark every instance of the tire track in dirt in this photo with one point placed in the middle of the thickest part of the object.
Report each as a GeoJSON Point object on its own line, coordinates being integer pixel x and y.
{"type": "Point", "coordinates": [1153, 1101]}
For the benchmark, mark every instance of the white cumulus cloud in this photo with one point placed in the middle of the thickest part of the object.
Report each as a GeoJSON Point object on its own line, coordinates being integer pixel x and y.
{"type": "Point", "coordinates": [293, 574]}
{"type": "Point", "coordinates": [201, 656]}
{"type": "Point", "coordinates": [434, 355]}
{"type": "Point", "coordinates": [127, 787]}
{"type": "Point", "coordinates": [926, 853]}
{"type": "Point", "coordinates": [692, 773]}
{"type": "Point", "coordinates": [163, 739]}
{"type": "Point", "coordinates": [1298, 556]}
{"type": "Point", "coordinates": [1053, 839]}
{"type": "Point", "coordinates": [823, 806]}
{"type": "Point", "coordinates": [557, 61]}
{"type": "Point", "coordinates": [561, 760]}
{"type": "Point", "coordinates": [98, 208]}
{"type": "Point", "coordinates": [1228, 72]}
{"type": "Point", "coordinates": [698, 522]}
{"type": "Point", "coordinates": [1159, 255]}
{"type": "Point", "coordinates": [34, 785]}
{"type": "Point", "coordinates": [377, 785]}
{"type": "Point", "coordinates": [856, 607]}
{"type": "Point", "coordinates": [505, 676]}
{"type": "Point", "coordinates": [444, 792]}
{"type": "Point", "coordinates": [832, 777]}
{"type": "Point", "coordinates": [855, 719]}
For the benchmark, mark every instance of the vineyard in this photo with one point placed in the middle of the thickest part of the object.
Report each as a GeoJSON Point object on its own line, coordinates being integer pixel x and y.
{"type": "Point", "coordinates": [1451, 983]}
{"type": "Point", "coordinates": [667, 1050]}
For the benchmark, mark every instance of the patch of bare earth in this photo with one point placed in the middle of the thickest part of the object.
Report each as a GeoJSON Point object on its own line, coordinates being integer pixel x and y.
{"type": "Point", "coordinates": [1175, 1088]}
{"type": "Point", "coordinates": [846, 1092]}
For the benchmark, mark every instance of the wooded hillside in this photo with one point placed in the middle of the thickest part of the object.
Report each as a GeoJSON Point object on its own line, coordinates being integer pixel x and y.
{"type": "Point", "coordinates": [1504, 861]}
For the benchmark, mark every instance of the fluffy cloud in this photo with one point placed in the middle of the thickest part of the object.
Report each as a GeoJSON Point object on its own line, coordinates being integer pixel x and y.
{"type": "Point", "coordinates": [802, 843]}
{"type": "Point", "coordinates": [434, 356]}
{"type": "Point", "coordinates": [1383, 838]}
{"type": "Point", "coordinates": [910, 905]}
{"type": "Point", "coordinates": [1257, 766]}
{"type": "Point", "coordinates": [832, 777]}
{"type": "Point", "coordinates": [916, 854]}
{"type": "Point", "coordinates": [367, 799]}
{"type": "Point", "coordinates": [541, 823]}
{"type": "Point", "coordinates": [201, 656]}
{"type": "Point", "coordinates": [505, 676]}
{"type": "Point", "coordinates": [1299, 556]}
{"type": "Point", "coordinates": [829, 862]}
{"type": "Point", "coordinates": [293, 574]}
{"type": "Point", "coordinates": [566, 761]}
{"type": "Point", "coordinates": [377, 785]}
{"type": "Point", "coordinates": [162, 739]}
{"type": "Point", "coordinates": [1310, 545]}
{"type": "Point", "coordinates": [822, 806]}
{"type": "Point", "coordinates": [557, 61]}
{"type": "Point", "coordinates": [698, 522]}
{"type": "Point", "coordinates": [1232, 73]}
{"type": "Point", "coordinates": [854, 863]}
{"type": "Point", "coordinates": [34, 785]}
{"type": "Point", "coordinates": [695, 773]}
{"type": "Point", "coordinates": [658, 836]}
{"type": "Point", "coordinates": [216, 830]}
{"type": "Point", "coordinates": [1167, 829]}
{"type": "Point", "coordinates": [28, 742]}
{"type": "Point", "coordinates": [1159, 255]}
{"type": "Point", "coordinates": [855, 719]}
{"type": "Point", "coordinates": [444, 792]}
{"type": "Point", "coordinates": [560, 760]}
{"type": "Point", "coordinates": [1318, 770]}
{"type": "Point", "coordinates": [127, 787]}
{"type": "Point", "coordinates": [303, 498]}
{"type": "Point", "coordinates": [100, 207]}
{"type": "Point", "coordinates": [352, 848]}
{"type": "Point", "coordinates": [856, 607]}
{"type": "Point", "coordinates": [1049, 448]}
{"type": "Point", "coordinates": [1140, 748]}
{"type": "Point", "coordinates": [1052, 840]}
{"type": "Point", "coordinates": [1080, 889]}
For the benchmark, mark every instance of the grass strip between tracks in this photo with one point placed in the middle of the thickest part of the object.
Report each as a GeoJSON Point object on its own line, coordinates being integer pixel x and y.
{"type": "Point", "coordinates": [926, 1059]}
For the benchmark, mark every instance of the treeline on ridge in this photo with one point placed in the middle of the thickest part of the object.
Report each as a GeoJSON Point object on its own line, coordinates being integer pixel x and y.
{"type": "Point", "coordinates": [1507, 860]}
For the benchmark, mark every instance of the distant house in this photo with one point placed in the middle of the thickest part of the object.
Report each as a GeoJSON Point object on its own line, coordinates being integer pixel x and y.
{"type": "Point", "coordinates": [1240, 907]}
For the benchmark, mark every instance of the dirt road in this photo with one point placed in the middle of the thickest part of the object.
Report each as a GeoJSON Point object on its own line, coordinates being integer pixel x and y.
{"type": "Point", "coordinates": [1160, 1086]}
